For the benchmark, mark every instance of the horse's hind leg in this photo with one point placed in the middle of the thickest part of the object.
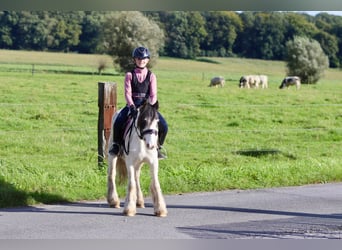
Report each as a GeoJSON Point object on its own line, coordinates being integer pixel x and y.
{"type": "Point", "coordinates": [112, 195]}
{"type": "Point", "coordinates": [157, 196]}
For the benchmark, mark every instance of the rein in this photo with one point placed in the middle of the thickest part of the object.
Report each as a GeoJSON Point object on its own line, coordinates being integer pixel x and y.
{"type": "Point", "coordinates": [129, 136]}
{"type": "Point", "coordinates": [139, 133]}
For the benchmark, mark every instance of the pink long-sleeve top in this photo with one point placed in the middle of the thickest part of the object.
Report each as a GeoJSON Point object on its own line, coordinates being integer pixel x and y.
{"type": "Point", "coordinates": [141, 75]}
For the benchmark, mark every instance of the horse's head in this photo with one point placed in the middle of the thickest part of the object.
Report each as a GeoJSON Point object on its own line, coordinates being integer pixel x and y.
{"type": "Point", "coordinates": [148, 124]}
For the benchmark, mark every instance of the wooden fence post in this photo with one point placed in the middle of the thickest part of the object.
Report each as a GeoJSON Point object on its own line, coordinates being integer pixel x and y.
{"type": "Point", "coordinates": [107, 98]}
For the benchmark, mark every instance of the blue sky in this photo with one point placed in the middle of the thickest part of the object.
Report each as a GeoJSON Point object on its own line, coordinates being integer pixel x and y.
{"type": "Point", "coordinates": [337, 13]}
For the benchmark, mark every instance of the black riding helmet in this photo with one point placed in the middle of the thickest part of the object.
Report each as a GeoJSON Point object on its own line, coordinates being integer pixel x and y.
{"type": "Point", "coordinates": [141, 52]}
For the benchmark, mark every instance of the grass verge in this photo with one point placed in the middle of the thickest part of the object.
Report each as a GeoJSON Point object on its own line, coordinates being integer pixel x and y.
{"type": "Point", "coordinates": [219, 138]}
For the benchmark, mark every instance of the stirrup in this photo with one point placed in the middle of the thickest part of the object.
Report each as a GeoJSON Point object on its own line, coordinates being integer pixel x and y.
{"type": "Point", "coordinates": [162, 153]}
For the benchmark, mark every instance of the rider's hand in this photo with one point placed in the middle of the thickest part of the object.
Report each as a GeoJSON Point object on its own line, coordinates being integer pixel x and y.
{"type": "Point", "coordinates": [133, 111]}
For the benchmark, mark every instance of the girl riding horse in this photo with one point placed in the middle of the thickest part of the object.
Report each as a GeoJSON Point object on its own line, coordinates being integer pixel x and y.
{"type": "Point", "coordinates": [140, 85]}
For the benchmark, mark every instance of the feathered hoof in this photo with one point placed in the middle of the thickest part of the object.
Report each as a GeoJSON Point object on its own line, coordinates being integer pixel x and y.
{"type": "Point", "coordinates": [129, 213]}
{"type": "Point", "coordinates": [161, 213]}
{"type": "Point", "coordinates": [114, 204]}
{"type": "Point", "coordinates": [140, 205]}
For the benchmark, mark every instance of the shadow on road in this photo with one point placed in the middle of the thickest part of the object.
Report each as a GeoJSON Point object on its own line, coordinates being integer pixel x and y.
{"type": "Point", "coordinates": [257, 211]}
{"type": "Point", "coordinates": [100, 208]}
{"type": "Point", "coordinates": [10, 196]}
{"type": "Point", "coordinates": [288, 228]}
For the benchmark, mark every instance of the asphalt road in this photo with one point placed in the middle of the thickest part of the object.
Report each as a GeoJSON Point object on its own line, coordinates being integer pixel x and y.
{"type": "Point", "coordinates": [313, 211]}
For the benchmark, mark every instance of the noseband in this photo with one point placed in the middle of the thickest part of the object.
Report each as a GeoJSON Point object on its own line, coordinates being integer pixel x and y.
{"type": "Point", "coordinates": [146, 132]}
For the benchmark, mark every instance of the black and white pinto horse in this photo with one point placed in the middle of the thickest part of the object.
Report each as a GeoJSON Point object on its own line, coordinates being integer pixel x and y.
{"type": "Point", "coordinates": [141, 145]}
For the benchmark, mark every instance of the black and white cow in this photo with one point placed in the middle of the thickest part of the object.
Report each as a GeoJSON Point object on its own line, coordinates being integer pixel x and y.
{"type": "Point", "coordinates": [253, 81]}
{"type": "Point", "coordinates": [290, 81]}
{"type": "Point", "coordinates": [217, 81]}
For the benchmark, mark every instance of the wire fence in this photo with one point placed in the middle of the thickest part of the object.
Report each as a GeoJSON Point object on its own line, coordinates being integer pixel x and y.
{"type": "Point", "coordinates": [27, 133]}
{"type": "Point", "coordinates": [179, 130]}
{"type": "Point", "coordinates": [216, 131]}
{"type": "Point", "coordinates": [183, 104]}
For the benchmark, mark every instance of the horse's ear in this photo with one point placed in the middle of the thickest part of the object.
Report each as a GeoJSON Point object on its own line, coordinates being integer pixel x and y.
{"type": "Point", "coordinates": [156, 105]}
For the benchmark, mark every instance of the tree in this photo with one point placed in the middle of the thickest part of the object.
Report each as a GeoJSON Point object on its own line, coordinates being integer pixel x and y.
{"type": "Point", "coordinates": [184, 32]}
{"type": "Point", "coordinates": [124, 31]}
{"type": "Point", "coordinates": [90, 39]}
{"type": "Point", "coordinates": [222, 28]}
{"type": "Point", "coordinates": [30, 32]}
{"type": "Point", "coordinates": [196, 33]}
{"type": "Point", "coordinates": [8, 19]}
{"type": "Point", "coordinates": [175, 27]}
{"type": "Point", "coordinates": [306, 59]}
{"type": "Point", "coordinates": [333, 26]}
{"type": "Point", "coordinates": [329, 44]}
{"type": "Point", "coordinates": [270, 39]}
{"type": "Point", "coordinates": [64, 30]}
{"type": "Point", "coordinates": [299, 25]}
{"type": "Point", "coordinates": [263, 35]}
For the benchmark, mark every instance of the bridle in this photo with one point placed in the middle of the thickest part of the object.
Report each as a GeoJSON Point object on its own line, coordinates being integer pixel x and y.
{"type": "Point", "coordinates": [140, 132]}
{"type": "Point", "coordinates": [146, 131]}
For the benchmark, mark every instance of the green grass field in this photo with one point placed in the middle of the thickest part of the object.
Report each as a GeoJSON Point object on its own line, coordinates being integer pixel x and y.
{"type": "Point", "coordinates": [219, 138]}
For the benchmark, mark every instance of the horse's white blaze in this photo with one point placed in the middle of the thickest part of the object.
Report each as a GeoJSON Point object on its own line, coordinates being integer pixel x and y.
{"type": "Point", "coordinates": [151, 139]}
{"type": "Point", "coordinates": [140, 151]}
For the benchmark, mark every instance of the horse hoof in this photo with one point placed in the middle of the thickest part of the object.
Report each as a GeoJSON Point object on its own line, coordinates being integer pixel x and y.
{"type": "Point", "coordinates": [114, 205]}
{"type": "Point", "coordinates": [141, 205]}
{"type": "Point", "coordinates": [161, 214]}
{"type": "Point", "coordinates": [129, 213]}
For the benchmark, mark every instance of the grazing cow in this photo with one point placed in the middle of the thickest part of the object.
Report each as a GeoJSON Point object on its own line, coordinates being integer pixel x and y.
{"type": "Point", "coordinates": [253, 81]}
{"type": "Point", "coordinates": [263, 81]}
{"type": "Point", "coordinates": [289, 81]}
{"type": "Point", "coordinates": [244, 82]}
{"type": "Point", "coordinates": [217, 81]}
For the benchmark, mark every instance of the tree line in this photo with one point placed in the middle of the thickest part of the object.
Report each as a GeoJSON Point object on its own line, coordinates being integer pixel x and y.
{"type": "Point", "coordinates": [182, 34]}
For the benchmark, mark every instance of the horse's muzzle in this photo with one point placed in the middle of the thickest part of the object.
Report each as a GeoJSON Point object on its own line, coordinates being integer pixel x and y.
{"type": "Point", "coordinates": [150, 145]}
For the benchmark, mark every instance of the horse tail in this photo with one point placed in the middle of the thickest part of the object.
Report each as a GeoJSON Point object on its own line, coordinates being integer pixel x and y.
{"type": "Point", "coordinates": [121, 170]}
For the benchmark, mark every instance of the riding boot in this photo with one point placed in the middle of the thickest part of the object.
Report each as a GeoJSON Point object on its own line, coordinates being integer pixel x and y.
{"type": "Point", "coordinates": [118, 128]}
{"type": "Point", "coordinates": [162, 128]}
{"type": "Point", "coordinates": [161, 150]}
{"type": "Point", "coordinates": [115, 147]}
{"type": "Point", "coordinates": [161, 153]}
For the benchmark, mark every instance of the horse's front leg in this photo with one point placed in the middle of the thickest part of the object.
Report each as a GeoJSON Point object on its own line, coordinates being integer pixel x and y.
{"type": "Point", "coordinates": [140, 197]}
{"type": "Point", "coordinates": [112, 195]}
{"type": "Point", "coordinates": [131, 197]}
{"type": "Point", "coordinates": [157, 196]}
